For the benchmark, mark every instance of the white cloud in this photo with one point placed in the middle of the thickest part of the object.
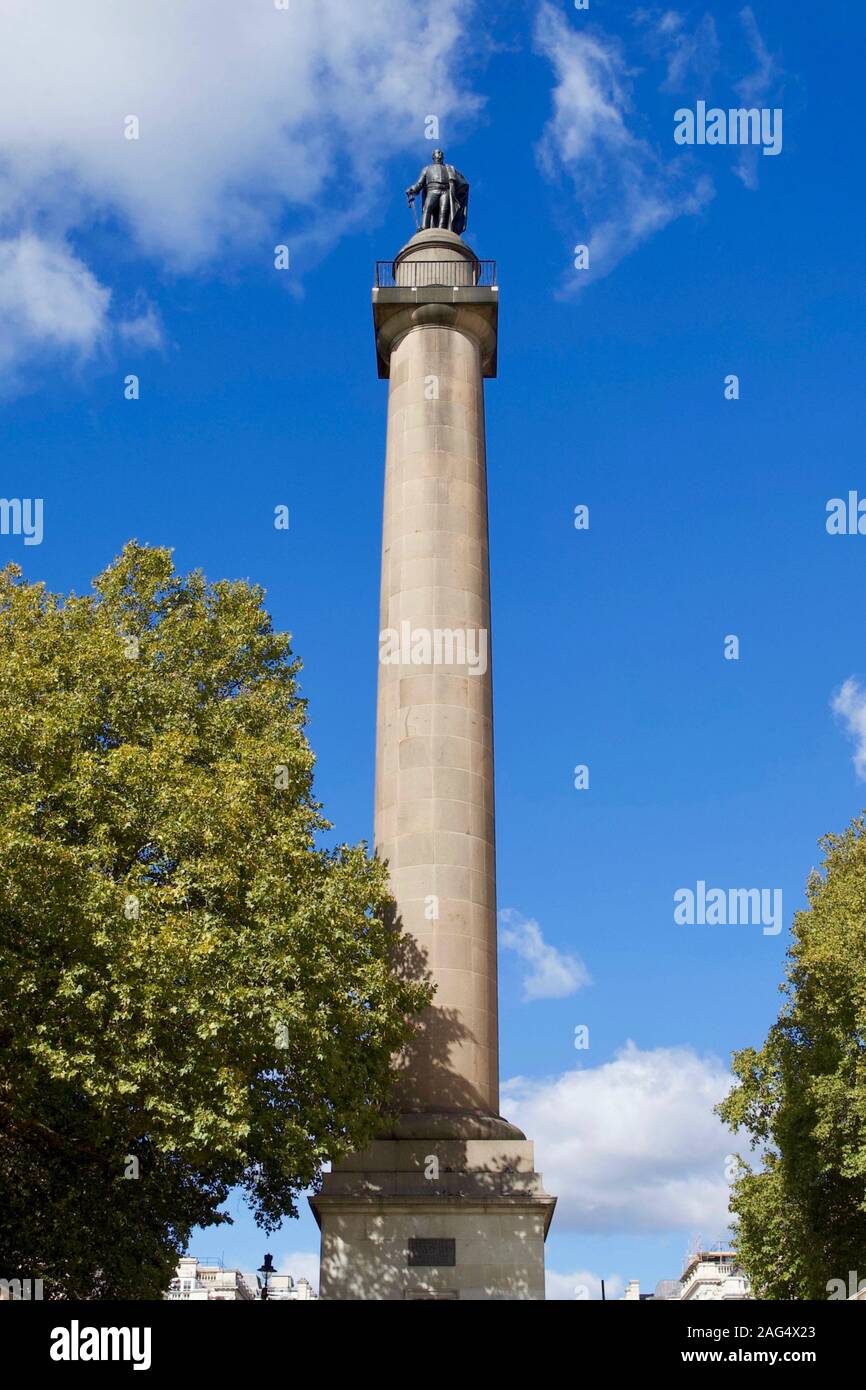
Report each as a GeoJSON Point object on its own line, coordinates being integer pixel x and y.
{"type": "Point", "coordinates": [626, 190]}
{"type": "Point", "coordinates": [582, 1284]}
{"type": "Point", "coordinates": [257, 124]}
{"type": "Point", "coordinates": [49, 301]}
{"type": "Point", "coordinates": [301, 1264]}
{"type": "Point", "coordinates": [849, 703]}
{"type": "Point", "coordinates": [631, 1145]}
{"type": "Point", "coordinates": [553, 974]}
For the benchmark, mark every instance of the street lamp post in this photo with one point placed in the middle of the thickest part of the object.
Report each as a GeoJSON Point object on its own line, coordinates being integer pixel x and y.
{"type": "Point", "coordinates": [267, 1269]}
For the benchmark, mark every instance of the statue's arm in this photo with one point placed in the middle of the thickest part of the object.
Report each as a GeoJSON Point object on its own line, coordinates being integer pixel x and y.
{"type": "Point", "coordinates": [416, 187]}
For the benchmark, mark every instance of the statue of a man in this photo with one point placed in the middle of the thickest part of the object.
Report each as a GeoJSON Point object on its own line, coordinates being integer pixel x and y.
{"type": "Point", "coordinates": [446, 195]}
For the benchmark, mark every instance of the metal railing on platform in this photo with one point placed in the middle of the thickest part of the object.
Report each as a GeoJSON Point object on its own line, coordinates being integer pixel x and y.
{"type": "Point", "coordinates": [457, 274]}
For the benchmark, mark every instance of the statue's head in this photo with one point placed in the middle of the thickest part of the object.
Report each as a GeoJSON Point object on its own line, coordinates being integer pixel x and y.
{"type": "Point", "coordinates": [438, 156]}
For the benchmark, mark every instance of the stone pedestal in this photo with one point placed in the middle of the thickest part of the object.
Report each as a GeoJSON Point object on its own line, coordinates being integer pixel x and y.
{"type": "Point", "coordinates": [448, 1219]}
{"type": "Point", "coordinates": [451, 1172]}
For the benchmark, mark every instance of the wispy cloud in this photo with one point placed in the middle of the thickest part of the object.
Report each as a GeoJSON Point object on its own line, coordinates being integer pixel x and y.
{"type": "Point", "coordinates": [849, 703]}
{"type": "Point", "coordinates": [755, 85]}
{"type": "Point", "coordinates": [144, 328]}
{"type": "Point", "coordinates": [754, 90]}
{"type": "Point", "coordinates": [689, 54]}
{"type": "Point", "coordinates": [626, 190]}
{"type": "Point", "coordinates": [552, 974]}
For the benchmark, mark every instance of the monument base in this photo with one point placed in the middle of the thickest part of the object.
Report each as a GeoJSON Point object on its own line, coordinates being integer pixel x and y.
{"type": "Point", "coordinates": [422, 1218]}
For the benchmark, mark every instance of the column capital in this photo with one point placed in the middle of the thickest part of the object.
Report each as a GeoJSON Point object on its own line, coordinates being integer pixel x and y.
{"type": "Point", "coordinates": [436, 279]}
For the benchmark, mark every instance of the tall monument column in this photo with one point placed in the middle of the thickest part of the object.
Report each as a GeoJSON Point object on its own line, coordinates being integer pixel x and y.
{"type": "Point", "coordinates": [434, 751]}
{"type": "Point", "coordinates": [446, 1203]}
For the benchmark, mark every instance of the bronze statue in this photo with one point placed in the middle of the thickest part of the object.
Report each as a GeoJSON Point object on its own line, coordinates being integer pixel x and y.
{"type": "Point", "coordinates": [446, 196]}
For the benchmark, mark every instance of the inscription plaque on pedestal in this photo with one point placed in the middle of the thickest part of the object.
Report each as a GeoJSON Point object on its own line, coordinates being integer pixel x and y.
{"type": "Point", "coordinates": [423, 1251]}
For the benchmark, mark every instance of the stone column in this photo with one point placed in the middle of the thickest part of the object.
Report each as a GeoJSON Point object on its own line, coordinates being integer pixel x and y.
{"type": "Point", "coordinates": [434, 753]}
{"type": "Point", "coordinates": [446, 1202]}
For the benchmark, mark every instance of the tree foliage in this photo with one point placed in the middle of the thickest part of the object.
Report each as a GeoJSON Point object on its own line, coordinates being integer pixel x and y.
{"type": "Point", "coordinates": [189, 986]}
{"type": "Point", "coordinates": [802, 1097]}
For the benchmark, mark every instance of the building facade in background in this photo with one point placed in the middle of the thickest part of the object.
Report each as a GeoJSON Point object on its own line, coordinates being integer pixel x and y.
{"type": "Point", "coordinates": [201, 1283]}
{"type": "Point", "coordinates": [282, 1288]}
{"type": "Point", "coordinates": [708, 1274]}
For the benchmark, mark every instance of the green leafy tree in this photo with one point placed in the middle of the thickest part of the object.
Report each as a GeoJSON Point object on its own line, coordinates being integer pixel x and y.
{"type": "Point", "coordinates": [193, 995]}
{"type": "Point", "coordinates": [801, 1221]}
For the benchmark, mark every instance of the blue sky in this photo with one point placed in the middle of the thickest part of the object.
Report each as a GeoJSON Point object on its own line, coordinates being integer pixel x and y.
{"type": "Point", "coordinates": [707, 516]}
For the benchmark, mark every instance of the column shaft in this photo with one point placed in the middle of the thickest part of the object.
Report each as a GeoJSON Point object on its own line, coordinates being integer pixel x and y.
{"type": "Point", "coordinates": [434, 757]}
